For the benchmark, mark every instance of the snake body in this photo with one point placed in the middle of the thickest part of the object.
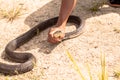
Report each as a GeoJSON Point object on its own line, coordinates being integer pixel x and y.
{"type": "Point", "coordinates": [26, 61]}
{"type": "Point", "coordinates": [115, 1]}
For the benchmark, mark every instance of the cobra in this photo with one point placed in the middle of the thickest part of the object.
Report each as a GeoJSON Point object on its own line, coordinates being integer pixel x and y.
{"type": "Point", "coordinates": [27, 60]}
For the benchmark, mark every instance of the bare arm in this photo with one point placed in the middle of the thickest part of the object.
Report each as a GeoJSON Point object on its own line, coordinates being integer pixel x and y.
{"type": "Point", "coordinates": [66, 8]}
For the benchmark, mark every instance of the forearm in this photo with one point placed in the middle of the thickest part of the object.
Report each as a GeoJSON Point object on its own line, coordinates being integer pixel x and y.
{"type": "Point", "coordinates": [65, 11]}
{"type": "Point", "coordinates": [66, 8]}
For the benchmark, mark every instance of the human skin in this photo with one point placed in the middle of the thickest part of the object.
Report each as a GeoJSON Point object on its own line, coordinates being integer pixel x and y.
{"type": "Point", "coordinates": [66, 8]}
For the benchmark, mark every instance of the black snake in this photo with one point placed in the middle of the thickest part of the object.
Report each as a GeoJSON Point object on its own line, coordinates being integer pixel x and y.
{"type": "Point", "coordinates": [27, 60]}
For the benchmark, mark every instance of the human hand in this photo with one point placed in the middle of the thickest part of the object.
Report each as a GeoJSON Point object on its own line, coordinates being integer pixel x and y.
{"type": "Point", "coordinates": [56, 34]}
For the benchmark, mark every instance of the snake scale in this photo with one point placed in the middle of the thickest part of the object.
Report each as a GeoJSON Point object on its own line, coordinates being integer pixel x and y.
{"type": "Point", "coordinates": [26, 61]}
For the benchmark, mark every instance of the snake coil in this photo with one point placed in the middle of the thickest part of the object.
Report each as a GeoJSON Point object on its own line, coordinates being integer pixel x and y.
{"type": "Point", "coordinates": [27, 60]}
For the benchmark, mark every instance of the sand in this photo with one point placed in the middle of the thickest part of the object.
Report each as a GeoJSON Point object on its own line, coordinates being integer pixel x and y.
{"type": "Point", "coordinates": [101, 35]}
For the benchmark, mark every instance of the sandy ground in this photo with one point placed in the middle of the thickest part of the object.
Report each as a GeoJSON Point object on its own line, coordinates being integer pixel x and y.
{"type": "Point", "coordinates": [101, 35]}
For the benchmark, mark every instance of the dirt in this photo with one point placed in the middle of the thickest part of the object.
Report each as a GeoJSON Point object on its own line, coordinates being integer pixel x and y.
{"type": "Point", "coordinates": [101, 35]}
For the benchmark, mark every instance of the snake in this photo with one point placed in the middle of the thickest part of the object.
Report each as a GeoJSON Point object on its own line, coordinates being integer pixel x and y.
{"type": "Point", "coordinates": [114, 1]}
{"type": "Point", "coordinates": [26, 61]}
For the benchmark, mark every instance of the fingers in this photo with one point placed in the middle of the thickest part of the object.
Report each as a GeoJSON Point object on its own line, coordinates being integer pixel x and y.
{"type": "Point", "coordinates": [55, 35]}
{"type": "Point", "coordinates": [55, 39]}
{"type": "Point", "coordinates": [51, 40]}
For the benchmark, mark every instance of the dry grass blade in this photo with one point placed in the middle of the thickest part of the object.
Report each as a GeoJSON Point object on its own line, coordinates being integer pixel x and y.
{"type": "Point", "coordinates": [12, 13]}
{"type": "Point", "coordinates": [103, 67]}
{"type": "Point", "coordinates": [75, 65]}
{"type": "Point", "coordinates": [97, 5]}
{"type": "Point", "coordinates": [103, 75]}
{"type": "Point", "coordinates": [88, 69]}
{"type": "Point", "coordinates": [117, 74]}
